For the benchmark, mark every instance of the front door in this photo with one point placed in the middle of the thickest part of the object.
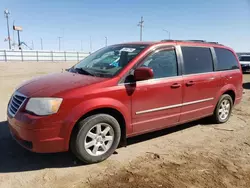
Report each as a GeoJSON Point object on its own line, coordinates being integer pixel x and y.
{"type": "Point", "coordinates": [156, 103]}
{"type": "Point", "coordinates": [201, 83]}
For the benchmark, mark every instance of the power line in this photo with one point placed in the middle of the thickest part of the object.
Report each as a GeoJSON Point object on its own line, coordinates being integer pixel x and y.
{"type": "Point", "coordinates": [140, 24]}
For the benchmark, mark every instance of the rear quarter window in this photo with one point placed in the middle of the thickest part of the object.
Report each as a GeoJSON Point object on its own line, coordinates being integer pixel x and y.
{"type": "Point", "coordinates": [226, 60]}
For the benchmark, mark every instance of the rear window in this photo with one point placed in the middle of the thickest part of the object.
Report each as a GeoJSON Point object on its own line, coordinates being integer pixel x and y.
{"type": "Point", "coordinates": [197, 60]}
{"type": "Point", "coordinates": [226, 60]}
{"type": "Point", "coordinates": [244, 58]}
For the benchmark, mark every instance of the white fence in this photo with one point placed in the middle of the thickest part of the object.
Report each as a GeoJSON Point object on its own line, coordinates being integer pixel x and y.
{"type": "Point", "coordinates": [39, 55]}
{"type": "Point", "coordinates": [32, 55]}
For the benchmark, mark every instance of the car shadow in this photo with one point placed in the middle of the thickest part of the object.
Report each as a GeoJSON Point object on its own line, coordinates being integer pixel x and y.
{"type": "Point", "coordinates": [246, 85]}
{"type": "Point", "coordinates": [14, 158]}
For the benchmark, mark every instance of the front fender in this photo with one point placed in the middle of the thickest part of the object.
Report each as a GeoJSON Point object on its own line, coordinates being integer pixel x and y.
{"type": "Point", "coordinates": [93, 104]}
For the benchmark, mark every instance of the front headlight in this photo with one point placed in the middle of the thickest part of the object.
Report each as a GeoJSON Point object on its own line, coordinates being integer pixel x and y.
{"type": "Point", "coordinates": [43, 106]}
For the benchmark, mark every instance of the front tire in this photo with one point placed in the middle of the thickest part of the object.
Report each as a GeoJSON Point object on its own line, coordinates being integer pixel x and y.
{"type": "Point", "coordinates": [96, 138]}
{"type": "Point", "coordinates": [223, 109]}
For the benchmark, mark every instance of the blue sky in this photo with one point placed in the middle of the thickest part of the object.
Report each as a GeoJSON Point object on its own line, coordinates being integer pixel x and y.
{"type": "Point", "coordinates": [225, 21]}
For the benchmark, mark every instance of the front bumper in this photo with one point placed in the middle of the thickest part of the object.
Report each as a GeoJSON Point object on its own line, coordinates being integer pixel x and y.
{"type": "Point", "coordinates": [40, 140]}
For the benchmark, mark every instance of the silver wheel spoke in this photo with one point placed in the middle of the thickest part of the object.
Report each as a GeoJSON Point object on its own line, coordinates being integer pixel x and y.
{"type": "Point", "coordinates": [91, 135]}
{"type": "Point", "coordinates": [103, 147]}
{"type": "Point", "coordinates": [98, 129]}
{"type": "Point", "coordinates": [220, 110]}
{"type": "Point", "coordinates": [108, 138]}
{"type": "Point", "coordinates": [89, 144]}
{"type": "Point", "coordinates": [96, 147]}
{"type": "Point", "coordinates": [106, 130]}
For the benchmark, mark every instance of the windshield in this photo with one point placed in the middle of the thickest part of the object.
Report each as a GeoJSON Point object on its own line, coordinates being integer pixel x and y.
{"type": "Point", "coordinates": [244, 58]}
{"type": "Point", "coordinates": [108, 61]}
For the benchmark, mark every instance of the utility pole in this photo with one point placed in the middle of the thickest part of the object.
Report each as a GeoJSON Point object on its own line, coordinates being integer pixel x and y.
{"type": "Point", "coordinates": [168, 33]}
{"type": "Point", "coordinates": [18, 29]}
{"type": "Point", "coordinates": [106, 41]}
{"type": "Point", "coordinates": [7, 13]}
{"type": "Point", "coordinates": [59, 43]}
{"type": "Point", "coordinates": [13, 39]}
{"type": "Point", "coordinates": [140, 24]}
{"type": "Point", "coordinates": [41, 43]}
{"type": "Point", "coordinates": [19, 41]}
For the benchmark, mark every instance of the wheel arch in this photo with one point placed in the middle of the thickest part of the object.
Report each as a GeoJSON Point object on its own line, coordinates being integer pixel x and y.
{"type": "Point", "coordinates": [110, 106]}
{"type": "Point", "coordinates": [227, 89]}
{"type": "Point", "coordinates": [231, 93]}
{"type": "Point", "coordinates": [109, 111]}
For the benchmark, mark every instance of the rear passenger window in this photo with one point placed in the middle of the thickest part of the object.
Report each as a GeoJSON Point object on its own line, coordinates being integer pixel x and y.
{"type": "Point", "coordinates": [197, 60]}
{"type": "Point", "coordinates": [226, 60]}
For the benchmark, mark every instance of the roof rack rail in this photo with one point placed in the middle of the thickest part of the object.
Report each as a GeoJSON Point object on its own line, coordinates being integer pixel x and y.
{"type": "Point", "coordinates": [198, 41]}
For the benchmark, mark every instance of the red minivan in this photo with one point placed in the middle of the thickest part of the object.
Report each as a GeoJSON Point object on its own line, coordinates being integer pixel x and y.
{"type": "Point", "coordinates": [125, 90]}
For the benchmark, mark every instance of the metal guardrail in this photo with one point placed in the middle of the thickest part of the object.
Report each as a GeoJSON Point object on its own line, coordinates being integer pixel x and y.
{"type": "Point", "coordinates": [40, 55]}
{"type": "Point", "coordinates": [32, 55]}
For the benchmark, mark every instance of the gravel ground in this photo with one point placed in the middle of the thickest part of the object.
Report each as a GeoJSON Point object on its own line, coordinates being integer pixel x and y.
{"type": "Point", "coordinates": [196, 154]}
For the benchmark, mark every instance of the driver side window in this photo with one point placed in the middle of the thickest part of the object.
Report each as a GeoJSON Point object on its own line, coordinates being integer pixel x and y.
{"type": "Point", "coordinates": [163, 63]}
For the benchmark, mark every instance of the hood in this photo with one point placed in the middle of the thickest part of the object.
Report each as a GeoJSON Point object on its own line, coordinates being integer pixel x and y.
{"type": "Point", "coordinates": [52, 84]}
{"type": "Point", "coordinates": [244, 62]}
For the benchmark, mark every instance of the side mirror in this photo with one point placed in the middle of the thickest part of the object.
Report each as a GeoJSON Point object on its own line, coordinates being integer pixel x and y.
{"type": "Point", "coordinates": [143, 73]}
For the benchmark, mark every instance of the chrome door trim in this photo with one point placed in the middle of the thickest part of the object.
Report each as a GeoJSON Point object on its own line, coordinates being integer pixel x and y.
{"type": "Point", "coordinates": [172, 106]}
{"type": "Point", "coordinates": [198, 101]}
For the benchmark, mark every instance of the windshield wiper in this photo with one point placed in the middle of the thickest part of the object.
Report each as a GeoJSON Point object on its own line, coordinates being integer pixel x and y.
{"type": "Point", "coordinates": [83, 71]}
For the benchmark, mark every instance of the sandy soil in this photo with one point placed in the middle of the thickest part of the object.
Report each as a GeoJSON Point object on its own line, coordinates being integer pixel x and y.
{"type": "Point", "coordinates": [196, 154]}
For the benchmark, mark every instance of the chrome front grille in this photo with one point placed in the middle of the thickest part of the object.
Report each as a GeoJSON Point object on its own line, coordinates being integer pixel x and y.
{"type": "Point", "coordinates": [15, 103]}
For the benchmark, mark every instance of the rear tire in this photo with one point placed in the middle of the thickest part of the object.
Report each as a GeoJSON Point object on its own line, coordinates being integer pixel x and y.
{"type": "Point", "coordinates": [96, 138]}
{"type": "Point", "coordinates": [223, 109]}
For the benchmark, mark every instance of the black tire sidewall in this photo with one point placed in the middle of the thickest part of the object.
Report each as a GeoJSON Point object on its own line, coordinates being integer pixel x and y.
{"type": "Point", "coordinates": [223, 97]}
{"type": "Point", "coordinates": [85, 126]}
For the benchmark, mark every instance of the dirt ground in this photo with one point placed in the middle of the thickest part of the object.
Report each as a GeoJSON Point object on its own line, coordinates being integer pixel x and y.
{"type": "Point", "coordinates": [194, 155]}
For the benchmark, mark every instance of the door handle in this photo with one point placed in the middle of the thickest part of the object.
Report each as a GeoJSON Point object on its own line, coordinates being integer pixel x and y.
{"type": "Point", "coordinates": [175, 85]}
{"type": "Point", "coordinates": [190, 83]}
